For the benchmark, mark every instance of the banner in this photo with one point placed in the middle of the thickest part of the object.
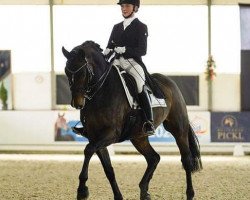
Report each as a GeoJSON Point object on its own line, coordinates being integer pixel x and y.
{"type": "Point", "coordinates": [63, 127]}
{"type": "Point", "coordinates": [230, 127]}
{"type": "Point", "coordinates": [200, 122]}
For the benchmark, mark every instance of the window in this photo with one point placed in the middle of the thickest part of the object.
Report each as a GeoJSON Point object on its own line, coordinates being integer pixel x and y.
{"type": "Point", "coordinates": [225, 24]}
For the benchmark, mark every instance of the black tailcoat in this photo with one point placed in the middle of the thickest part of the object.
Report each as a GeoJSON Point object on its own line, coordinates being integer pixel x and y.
{"type": "Point", "coordinates": [134, 38]}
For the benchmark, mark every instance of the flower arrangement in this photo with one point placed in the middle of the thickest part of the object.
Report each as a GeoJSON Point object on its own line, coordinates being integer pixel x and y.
{"type": "Point", "coordinates": [210, 69]}
{"type": "Point", "coordinates": [4, 96]}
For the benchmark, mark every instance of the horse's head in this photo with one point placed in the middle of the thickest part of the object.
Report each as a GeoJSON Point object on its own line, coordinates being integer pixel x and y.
{"type": "Point", "coordinates": [80, 70]}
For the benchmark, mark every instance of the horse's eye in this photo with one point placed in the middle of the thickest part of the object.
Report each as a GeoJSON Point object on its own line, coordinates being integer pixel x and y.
{"type": "Point", "coordinates": [70, 79]}
{"type": "Point", "coordinates": [66, 72]}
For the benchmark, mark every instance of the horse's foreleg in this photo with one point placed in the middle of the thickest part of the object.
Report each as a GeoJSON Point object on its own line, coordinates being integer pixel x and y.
{"type": "Point", "coordinates": [103, 154]}
{"type": "Point", "coordinates": [152, 158]}
{"type": "Point", "coordinates": [82, 191]}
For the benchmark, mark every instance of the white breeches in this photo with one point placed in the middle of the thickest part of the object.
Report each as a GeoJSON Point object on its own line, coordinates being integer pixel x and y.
{"type": "Point", "coordinates": [134, 69]}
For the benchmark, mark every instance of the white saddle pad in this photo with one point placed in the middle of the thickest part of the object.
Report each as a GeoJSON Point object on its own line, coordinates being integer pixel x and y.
{"type": "Point", "coordinates": [155, 102]}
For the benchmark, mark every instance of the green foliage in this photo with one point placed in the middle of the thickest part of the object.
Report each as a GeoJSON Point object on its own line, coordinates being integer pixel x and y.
{"type": "Point", "coordinates": [210, 69]}
{"type": "Point", "coordinates": [3, 95]}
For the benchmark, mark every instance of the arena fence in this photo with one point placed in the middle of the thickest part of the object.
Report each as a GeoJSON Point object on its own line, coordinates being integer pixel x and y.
{"type": "Point", "coordinates": [236, 149]}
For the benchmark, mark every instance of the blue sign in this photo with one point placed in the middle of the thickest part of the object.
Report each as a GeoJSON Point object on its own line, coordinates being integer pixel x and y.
{"type": "Point", "coordinates": [230, 127]}
{"type": "Point", "coordinates": [77, 137]}
{"type": "Point", "coordinates": [66, 133]}
{"type": "Point", "coordinates": [161, 135]}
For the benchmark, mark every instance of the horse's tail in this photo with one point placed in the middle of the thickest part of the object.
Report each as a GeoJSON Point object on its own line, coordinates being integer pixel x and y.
{"type": "Point", "coordinates": [177, 119]}
{"type": "Point", "coordinates": [195, 150]}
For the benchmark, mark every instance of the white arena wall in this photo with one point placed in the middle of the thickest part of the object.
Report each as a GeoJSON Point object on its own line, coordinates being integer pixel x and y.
{"type": "Point", "coordinates": [32, 91]}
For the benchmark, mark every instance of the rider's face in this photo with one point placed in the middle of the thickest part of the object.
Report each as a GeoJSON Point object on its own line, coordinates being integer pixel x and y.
{"type": "Point", "coordinates": [127, 9]}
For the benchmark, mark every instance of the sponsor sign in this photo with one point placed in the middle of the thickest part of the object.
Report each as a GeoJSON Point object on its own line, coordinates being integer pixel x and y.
{"type": "Point", "coordinates": [63, 124]}
{"type": "Point", "coordinates": [161, 135]}
{"type": "Point", "coordinates": [69, 131]}
{"type": "Point", "coordinates": [200, 122]}
{"type": "Point", "coordinates": [230, 126]}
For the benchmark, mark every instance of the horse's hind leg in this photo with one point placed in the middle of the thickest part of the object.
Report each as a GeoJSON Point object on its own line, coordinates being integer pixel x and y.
{"type": "Point", "coordinates": [186, 159]}
{"type": "Point", "coordinates": [103, 154]}
{"type": "Point", "coordinates": [152, 158]}
{"type": "Point", "coordinates": [182, 140]}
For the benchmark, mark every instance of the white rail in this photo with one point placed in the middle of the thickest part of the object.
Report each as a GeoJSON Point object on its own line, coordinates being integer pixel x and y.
{"type": "Point", "coordinates": [127, 148]}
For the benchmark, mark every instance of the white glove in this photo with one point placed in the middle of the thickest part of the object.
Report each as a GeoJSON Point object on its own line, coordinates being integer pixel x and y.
{"type": "Point", "coordinates": [107, 51]}
{"type": "Point", "coordinates": [120, 50]}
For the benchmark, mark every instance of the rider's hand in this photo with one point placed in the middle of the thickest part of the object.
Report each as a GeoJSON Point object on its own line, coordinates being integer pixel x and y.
{"type": "Point", "coordinates": [120, 50]}
{"type": "Point", "coordinates": [107, 51]}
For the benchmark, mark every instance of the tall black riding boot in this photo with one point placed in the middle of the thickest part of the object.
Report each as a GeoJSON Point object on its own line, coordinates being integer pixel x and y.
{"type": "Point", "coordinates": [144, 102]}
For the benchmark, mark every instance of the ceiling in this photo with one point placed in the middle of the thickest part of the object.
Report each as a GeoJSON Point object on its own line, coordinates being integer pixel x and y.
{"type": "Point", "coordinates": [112, 2]}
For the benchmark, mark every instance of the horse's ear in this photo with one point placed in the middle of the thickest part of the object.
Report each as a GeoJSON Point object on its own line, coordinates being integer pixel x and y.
{"type": "Point", "coordinates": [65, 53]}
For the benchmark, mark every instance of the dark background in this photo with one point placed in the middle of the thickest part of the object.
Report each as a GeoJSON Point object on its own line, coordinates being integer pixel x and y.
{"type": "Point", "coordinates": [189, 86]}
{"type": "Point", "coordinates": [5, 65]}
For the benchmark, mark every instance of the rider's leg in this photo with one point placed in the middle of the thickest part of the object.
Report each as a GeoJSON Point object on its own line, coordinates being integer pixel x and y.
{"type": "Point", "coordinates": [144, 101]}
{"type": "Point", "coordinates": [137, 72]}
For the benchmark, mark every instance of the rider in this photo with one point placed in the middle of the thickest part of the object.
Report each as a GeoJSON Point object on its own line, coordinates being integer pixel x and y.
{"type": "Point", "coordinates": [129, 40]}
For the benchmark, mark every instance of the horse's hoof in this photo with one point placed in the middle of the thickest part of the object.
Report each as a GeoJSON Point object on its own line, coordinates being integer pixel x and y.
{"type": "Point", "coordinates": [83, 194]}
{"type": "Point", "coordinates": [118, 198]}
{"type": "Point", "coordinates": [190, 194]}
{"type": "Point", "coordinates": [145, 196]}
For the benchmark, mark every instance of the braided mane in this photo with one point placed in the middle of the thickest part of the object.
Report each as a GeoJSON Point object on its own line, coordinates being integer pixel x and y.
{"type": "Point", "coordinates": [92, 44]}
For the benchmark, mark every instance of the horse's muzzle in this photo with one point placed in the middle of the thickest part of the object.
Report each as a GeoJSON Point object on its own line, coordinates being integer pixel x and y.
{"type": "Point", "coordinates": [78, 103]}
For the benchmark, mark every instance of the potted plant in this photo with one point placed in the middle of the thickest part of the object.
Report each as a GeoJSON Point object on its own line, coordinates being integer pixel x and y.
{"type": "Point", "coordinates": [210, 69]}
{"type": "Point", "coordinates": [4, 96]}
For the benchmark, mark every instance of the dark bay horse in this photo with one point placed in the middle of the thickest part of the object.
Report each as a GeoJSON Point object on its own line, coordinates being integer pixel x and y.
{"type": "Point", "coordinates": [97, 91]}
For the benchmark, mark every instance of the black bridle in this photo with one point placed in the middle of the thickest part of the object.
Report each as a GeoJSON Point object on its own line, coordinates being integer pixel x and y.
{"type": "Point", "coordinates": [91, 88]}
{"type": "Point", "coordinates": [73, 74]}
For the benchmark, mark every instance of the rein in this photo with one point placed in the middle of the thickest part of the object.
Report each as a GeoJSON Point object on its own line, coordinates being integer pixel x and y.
{"type": "Point", "coordinates": [93, 89]}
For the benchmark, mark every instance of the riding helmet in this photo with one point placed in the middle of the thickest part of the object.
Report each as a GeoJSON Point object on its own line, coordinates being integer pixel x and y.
{"type": "Point", "coordinates": [133, 2]}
